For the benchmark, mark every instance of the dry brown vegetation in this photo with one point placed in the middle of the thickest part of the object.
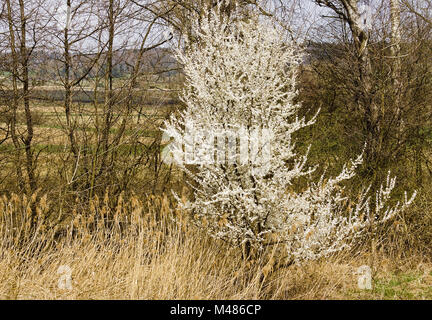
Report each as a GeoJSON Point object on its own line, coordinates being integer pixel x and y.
{"type": "Point", "coordinates": [134, 248]}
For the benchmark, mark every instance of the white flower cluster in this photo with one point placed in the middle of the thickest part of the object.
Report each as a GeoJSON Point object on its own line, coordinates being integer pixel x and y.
{"type": "Point", "coordinates": [243, 73]}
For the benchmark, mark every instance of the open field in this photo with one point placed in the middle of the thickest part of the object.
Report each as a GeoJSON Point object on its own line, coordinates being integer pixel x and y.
{"type": "Point", "coordinates": [50, 127]}
{"type": "Point", "coordinates": [51, 144]}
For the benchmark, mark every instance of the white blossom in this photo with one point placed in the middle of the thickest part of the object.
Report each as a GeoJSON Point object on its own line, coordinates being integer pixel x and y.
{"type": "Point", "coordinates": [243, 74]}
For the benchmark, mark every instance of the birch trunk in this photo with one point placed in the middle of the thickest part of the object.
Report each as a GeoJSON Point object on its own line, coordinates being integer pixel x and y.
{"type": "Point", "coordinates": [395, 55]}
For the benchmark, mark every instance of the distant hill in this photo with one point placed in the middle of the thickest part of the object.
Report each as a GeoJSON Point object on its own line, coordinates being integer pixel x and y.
{"type": "Point", "coordinates": [46, 66]}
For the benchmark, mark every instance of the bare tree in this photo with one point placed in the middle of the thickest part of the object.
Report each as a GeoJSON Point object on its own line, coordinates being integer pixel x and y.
{"type": "Point", "coordinates": [25, 24]}
{"type": "Point", "coordinates": [116, 34]}
{"type": "Point", "coordinates": [423, 13]}
{"type": "Point", "coordinates": [349, 12]}
{"type": "Point", "coordinates": [395, 54]}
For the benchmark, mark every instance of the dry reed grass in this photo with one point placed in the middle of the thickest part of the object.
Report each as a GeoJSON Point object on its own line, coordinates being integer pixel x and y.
{"type": "Point", "coordinates": [147, 249]}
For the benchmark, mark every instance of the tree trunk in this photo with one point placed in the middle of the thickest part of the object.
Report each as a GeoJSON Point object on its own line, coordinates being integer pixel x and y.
{"type": "Point", "coordinates": [395, 55]}
{"type": "Point", "coordinates": [15, 97]}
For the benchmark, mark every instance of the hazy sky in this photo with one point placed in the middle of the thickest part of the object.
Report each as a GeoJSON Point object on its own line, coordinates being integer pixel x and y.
{"type": "Point", "coordinates": [305, 22]}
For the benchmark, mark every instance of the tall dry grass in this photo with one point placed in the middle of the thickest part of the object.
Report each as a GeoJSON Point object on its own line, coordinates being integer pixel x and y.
{"type": "Point", "coordinates": [144, 249]}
